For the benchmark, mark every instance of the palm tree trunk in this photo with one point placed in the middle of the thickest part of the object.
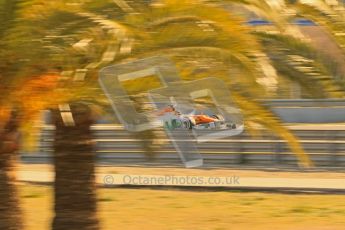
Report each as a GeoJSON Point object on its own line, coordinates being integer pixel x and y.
{"type": "Point", "coordinates": [146, 139]}
{"type": "Point", "coordinates": [75, 190]}
{"type": "Point", "coordinates": [10, 214]}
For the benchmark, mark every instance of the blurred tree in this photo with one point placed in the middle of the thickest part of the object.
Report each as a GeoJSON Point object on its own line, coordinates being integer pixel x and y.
{"type": "Point", "coordinates": [30, 81]}
{"type": "Point", "coordinates": [74, 158]}
{"type": "Point", "coordinates": [72, 41]}
{"type": "Point", "coordinates": [10, 213]}
{"type": "Point", "coordinates": [148, 139]}
{"type": "Point", "coordinates": [205, 40]}
{"type": "Point", "coordinates": [298, 45]}
{"type": "Point", "coordinates": [327, 36]}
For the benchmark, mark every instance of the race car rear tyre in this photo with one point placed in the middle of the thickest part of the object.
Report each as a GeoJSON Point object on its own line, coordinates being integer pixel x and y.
{"type": "Point", "coordinates": [188, 124]}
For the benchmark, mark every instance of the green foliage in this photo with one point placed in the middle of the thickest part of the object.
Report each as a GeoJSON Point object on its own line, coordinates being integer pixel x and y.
{"type": "Point", "coordinates": [202, 37]}
{"type": "Point", "coordinates": [309, 69]}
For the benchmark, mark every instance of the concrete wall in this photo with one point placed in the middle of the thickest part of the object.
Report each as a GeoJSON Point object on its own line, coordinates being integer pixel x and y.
{"type": "Point", "coordinates": [309, 111]}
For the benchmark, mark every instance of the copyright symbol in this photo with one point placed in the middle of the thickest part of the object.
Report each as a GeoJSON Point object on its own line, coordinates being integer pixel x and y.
{"type": "Point", "coordinates": [108, 180]}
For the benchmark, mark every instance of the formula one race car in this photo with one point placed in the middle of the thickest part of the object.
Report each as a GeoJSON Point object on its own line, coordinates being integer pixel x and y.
{"type": "Point", "coordinates": [173, 119]}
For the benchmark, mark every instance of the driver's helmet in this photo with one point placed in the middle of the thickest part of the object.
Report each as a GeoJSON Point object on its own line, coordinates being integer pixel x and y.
{"type": "Point", "coordinates": [172, 107]}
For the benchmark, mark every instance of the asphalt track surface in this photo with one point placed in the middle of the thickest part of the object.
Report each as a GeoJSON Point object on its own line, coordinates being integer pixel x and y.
{"type": "Point", "coordinates": [217, 179]}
